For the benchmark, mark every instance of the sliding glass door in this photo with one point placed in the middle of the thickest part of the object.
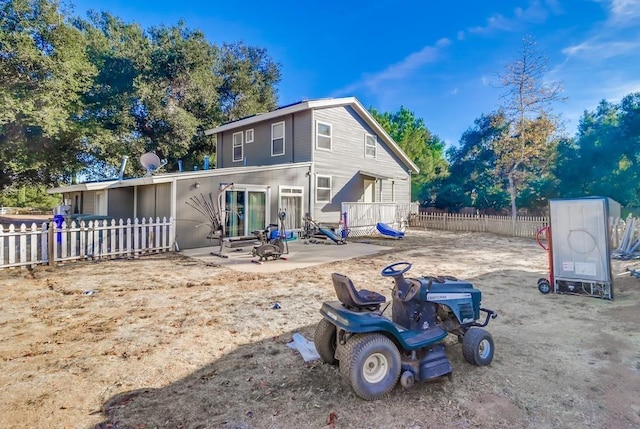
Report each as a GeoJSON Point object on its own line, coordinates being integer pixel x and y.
{"type": "Point", "coordinates": [234, 211]}
{"type": "Point", "coordinates": [245, 212]}
{"type": "Point", "coordinates": [257, 214]}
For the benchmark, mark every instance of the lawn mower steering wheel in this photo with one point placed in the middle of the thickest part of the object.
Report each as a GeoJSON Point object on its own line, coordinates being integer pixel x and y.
{"type": "Point", "coordinates": [392, 271]}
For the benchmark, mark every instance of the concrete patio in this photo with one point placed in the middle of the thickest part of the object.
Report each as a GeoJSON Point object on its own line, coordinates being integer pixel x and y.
{"type": "Point", "coordinates": [302, 253]}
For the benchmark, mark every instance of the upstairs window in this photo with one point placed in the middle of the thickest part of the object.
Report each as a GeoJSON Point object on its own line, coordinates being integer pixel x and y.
{"type": "Point", "coordinates": [249, 136]}
{"type": "Point", "coordinates": [323, 136]}
{"type": "Point", "coordinates": [238, 152]}
{"type": "Point", "coordinates": [323, 189]}
{"type": "Point", "coordinates": [277, 139]}
{"type": "Point", "coordinates": [370, 143]}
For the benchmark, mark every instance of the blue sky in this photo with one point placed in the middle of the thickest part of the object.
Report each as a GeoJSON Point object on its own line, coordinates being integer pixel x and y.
{"type": "Point", "coordinates": [437, 58]}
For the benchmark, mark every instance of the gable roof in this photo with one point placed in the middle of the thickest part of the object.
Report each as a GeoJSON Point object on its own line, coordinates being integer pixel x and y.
{"type": "Point", "coordinates": [319, 104]}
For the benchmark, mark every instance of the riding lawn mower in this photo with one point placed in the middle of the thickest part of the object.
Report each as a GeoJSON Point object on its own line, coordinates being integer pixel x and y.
{"type": "Point", "coordinates": [373, 352]}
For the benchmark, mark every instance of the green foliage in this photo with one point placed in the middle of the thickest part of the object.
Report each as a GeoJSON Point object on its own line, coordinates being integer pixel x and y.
{"type": "Point", "coordinates": [78, 94]}
{"type": "Point", "coordinates": [159, 90]}
{"type": "Point", "coordinates": [29, 196]}
{"type": "Point", "coordinates": [423, 148]}
{"type": "Point", "coordinates": [473, 163]}
{"type": "Point", "coordinates": [604, 158]}
{"type": "Point", "coordinates": [44, 70]}
{"type": "Point", "coordinates": [249, 77]}
{"type": "Point", "coordinates": [451, 196]}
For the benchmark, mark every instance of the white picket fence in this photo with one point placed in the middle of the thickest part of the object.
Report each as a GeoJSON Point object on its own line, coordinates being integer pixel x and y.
{"type": "Point", "coordinates": [49, 244]}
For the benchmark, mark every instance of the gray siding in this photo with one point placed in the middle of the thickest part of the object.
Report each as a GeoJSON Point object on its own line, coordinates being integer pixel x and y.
{"type": "Point", "coordinates": [154, 201]}
{"type": "Point", "coordinates": [297, 136]}
{"type": "Point", "coordinates": [88, 202]}
{"type": "Point", "coordinates": [347, 158]}
{"type": "Point", "coordinates": [303, 136]}
{"type": "Point", "coordinates": [190, 235]}
{"type": "Point", "coordinates": [121, 203]}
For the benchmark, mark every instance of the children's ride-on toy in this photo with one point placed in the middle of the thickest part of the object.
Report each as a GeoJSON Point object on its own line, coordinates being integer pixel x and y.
{"type": "Point", "coordinates": [373, 352]}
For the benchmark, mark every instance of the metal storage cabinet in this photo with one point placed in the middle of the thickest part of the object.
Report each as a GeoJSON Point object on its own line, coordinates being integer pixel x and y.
{"type": "Point", "coordinates": [581, 245]}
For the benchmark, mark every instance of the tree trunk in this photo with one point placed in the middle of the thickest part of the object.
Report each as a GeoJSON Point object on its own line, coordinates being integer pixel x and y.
{"type": "Point", "coordinates": [514, 209]}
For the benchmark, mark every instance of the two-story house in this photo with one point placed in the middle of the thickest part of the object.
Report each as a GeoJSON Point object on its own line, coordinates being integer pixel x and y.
{"type": "Point", "coordinates": [304, 158]}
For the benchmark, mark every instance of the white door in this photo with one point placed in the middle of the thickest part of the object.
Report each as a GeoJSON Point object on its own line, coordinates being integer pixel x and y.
{"type": "Point", "coordinates": [101, 203]}
{"type": "Point", "coordinates": [369, 191]}
{"type": "Point", "coordinates": [291, 198]}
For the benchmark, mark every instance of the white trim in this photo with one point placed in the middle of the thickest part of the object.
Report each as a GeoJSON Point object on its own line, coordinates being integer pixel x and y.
{"type": "Point", "coordinates": [366, 145]}
{"type": "Point", "coordinates": [281, 189]}
{"type": "Point", "coordinates": [246, 135]}
{"type": "Point", "coordinates": [323, 103]}
{"type": "Point", "coordinates": [277, 138]}
{"type": "Point", "coordinates": [169, 177]}
{"type": "Point", "coordinates": [323, 188]}
{"type": "Point", "coordinates": [234, 146]}
{"type": "Point", "coordinates": [330, 136]}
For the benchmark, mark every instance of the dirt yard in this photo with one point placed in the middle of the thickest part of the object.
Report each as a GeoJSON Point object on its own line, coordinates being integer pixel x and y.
{"type": "Point", "coordinates": [170, 342]}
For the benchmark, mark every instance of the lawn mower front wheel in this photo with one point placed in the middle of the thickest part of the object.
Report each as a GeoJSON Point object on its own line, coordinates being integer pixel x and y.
{"type": "Point", "coordinates": [477, 347]}
{"type": "Point", "coordinates": [325, 341]}
{"type": "Point", "coordinates": [371, 362]}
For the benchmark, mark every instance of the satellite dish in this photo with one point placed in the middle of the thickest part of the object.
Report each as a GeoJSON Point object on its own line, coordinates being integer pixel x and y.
{"type": "Point", "coordinates": [151, 162]}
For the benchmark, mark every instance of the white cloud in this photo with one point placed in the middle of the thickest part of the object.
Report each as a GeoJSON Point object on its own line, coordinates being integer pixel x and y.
{"type": "Point", "coordinates": [496, 22]}
{"type": "Point", "coordinates": [535, 13]}
{"type": "Point", "coordinates": [398, 71]}
{"type": "Point", "coordinates": [624, 11]}
{"type": "Point", "coordinates": [596, 50]}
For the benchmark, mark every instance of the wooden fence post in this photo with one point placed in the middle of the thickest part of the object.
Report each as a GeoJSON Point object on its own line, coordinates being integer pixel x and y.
{"type": "Point", "coordinates": [50, 243]}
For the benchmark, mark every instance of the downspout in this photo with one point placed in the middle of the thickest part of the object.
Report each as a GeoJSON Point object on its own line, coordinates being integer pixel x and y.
{"type": "Point", "coordinates": [311, 190]}
{"type": "Point", "coordinates": [173, 210]}
{"type": "Point", "coordinates": [313, 163]}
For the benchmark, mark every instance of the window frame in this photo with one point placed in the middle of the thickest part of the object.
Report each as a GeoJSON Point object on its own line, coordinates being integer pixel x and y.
{"type": "Point", "coordinates": [246, 135]}
{"type": "Point", "coordinates": [367, 145]}
{"type": "Point", "coordinates": [330, 136]}
{"type": "Point", "coordinates": [277, 138]}
{"type": "Point", "coordinates": [234, 146]}
{"type": "Point", "coordinates": [318, 176]}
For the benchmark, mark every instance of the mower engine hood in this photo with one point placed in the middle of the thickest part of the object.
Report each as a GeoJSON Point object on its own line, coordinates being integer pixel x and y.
{"type": "Point", "coordinates": [460, 296]}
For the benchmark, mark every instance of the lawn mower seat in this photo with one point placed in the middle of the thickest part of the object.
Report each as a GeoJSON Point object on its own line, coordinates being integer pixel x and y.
{"type": "Point", "coordinates": [352, 298]}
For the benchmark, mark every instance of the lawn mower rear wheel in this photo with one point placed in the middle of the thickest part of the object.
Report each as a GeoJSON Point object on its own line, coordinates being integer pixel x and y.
{"type": "Point", "coordinates": [372, 364]}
